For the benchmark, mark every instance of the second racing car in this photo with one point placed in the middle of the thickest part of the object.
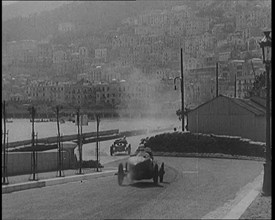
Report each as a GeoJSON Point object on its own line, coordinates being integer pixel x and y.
{"type": "Point", "coordinates": [120, 146]}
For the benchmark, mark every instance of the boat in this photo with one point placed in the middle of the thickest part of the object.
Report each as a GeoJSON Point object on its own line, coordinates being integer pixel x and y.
{"type": "Point", "coordinates": [40, 120]}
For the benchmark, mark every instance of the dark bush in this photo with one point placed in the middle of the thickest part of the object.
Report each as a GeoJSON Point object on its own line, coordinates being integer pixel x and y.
{"type": "Point", "coordinates": [89, 164]}
{"type": "Point", "coordinates": [202, 143]}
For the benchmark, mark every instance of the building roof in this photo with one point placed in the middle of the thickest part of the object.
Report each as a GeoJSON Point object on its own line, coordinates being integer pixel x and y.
{"type": "Point", "coordinates": [250, 106]}
{"type": "Point", "coordinates": [256, 105]}
{"type": "Point", "coordinates": [259, 100]}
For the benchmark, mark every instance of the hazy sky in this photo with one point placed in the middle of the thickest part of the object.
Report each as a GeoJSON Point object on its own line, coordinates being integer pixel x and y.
{"type": "Point", "coordinates": [8, 2]}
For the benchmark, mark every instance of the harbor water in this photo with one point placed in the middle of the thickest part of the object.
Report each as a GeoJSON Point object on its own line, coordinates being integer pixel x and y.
{"type": "Point", "coordinates": [21, 129]}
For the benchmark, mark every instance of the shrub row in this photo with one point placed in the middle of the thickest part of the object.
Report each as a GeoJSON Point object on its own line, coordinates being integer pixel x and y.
{"type": "Point", "coordinates": [204, 143]}
{"type": "Point", "coordinates": [89, 164]}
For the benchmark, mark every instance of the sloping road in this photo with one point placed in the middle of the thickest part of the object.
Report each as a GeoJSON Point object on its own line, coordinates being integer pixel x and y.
{"type": "Point", "coordinates": [192, 188]}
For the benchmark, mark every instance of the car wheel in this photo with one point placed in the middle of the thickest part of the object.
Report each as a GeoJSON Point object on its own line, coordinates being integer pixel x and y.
{"type": "Point", "coordinates": [126, 167]}
{"type": "Point", "coordinates": [111, 151]}
{"type": "Point", "coordinates": [120, 174]}
{"type": "Point", "coordinates": [129, 149]}
{"type": "Point", "coordinates": [161, 173]}
{"type": "Point", "coordinates": [156, 174]}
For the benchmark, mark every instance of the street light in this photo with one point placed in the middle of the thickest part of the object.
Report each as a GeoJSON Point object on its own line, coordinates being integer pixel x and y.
{"type": "Point", "coordinates": [265, 44]}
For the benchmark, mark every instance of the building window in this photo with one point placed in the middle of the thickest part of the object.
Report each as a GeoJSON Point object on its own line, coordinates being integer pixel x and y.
{"type": "Point", "coordinates": [239, 73]}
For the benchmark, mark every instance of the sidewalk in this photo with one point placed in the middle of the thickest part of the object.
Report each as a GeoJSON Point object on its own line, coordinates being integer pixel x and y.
{"type": "Point", "coordinates": [23, 182]}
{"type": "Point", "coordinates": [260, 208]}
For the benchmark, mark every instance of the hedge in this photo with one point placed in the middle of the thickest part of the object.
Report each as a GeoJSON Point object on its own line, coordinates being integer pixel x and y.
{"type": "Point", "coordinates": [88, 164]}
{"type": "Point", "coordinates": [186, 142]}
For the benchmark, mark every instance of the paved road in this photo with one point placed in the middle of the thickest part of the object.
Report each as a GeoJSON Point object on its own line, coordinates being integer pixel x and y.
{"type": "Point", "coordinates": [89, 150]}
{"type": "Point", "coordinates": [192, 188]}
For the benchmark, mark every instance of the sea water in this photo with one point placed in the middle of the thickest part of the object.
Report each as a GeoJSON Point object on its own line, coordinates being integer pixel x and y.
{"type": "Point", "coordinates": [21, 129]}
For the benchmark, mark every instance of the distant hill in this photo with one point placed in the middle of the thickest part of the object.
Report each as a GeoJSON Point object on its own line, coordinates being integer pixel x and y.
{"type": "Point", "coordinates": [26, 8]}
{"type": "Point", "coordinates": [36, 20]}
{"type": "Point", "coordinates": [89, 17]}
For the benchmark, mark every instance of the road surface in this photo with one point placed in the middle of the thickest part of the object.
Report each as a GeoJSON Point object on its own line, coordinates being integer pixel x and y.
{"type": "Point", "coordinates": [192, 188]}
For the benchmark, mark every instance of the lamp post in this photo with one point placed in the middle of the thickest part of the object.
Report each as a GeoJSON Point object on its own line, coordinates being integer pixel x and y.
{"type": "Point", "coordinates": [265, 44]}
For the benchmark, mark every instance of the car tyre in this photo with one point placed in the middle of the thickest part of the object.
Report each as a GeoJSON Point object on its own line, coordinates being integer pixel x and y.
{"type": "Point", "coordinates": [126, 167]}
{"type": "Point", "coordinates": [156, 174]}
{"type": "Point", "coordinates": [111, 151]}
{"type": "Point", "coordinates": [129, 149]}
{"type": "Point", "coordinates": [161, 173]}
{"type": "Point", "coordinates": [120, 174]}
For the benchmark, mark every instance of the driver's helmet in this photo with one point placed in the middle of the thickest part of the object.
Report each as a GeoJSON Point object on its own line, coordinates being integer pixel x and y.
{"type": "Point", "coordinates": [141, 147]}
{"type": "Point", "coordinates": [148, 149]}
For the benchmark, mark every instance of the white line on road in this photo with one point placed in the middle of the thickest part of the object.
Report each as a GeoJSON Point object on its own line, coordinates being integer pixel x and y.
{"type": "Point", "coordinates": [191, 171]}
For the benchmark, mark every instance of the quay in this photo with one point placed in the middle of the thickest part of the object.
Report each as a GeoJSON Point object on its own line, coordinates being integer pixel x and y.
{"type": "Point", "coordinates": [51, 140]}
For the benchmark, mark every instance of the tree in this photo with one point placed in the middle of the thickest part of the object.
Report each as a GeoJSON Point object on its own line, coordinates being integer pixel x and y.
{"type": "Point", "coordinates": [259, 86]}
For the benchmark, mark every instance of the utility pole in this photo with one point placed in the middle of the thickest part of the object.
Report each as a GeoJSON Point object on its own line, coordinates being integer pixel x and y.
{"type": "Point", "coordinates": [97, 130]}
{"type": "Point", "coordinates": [217, 79]}
{"type": "Point", "coordinates": [182, 90]}
{"type": "Point", "coordinates": [33, 144]}
{"type": "Point", "coordinates": [60, 165]}
{"type": "Point", "coordinates": [4, 146]}
{"type": "Point", "coordinates": [81, 122]}
{"type": "Point", "coordinates": [79, 141]}
{"type": "Point", "coordinates": [235, 86]}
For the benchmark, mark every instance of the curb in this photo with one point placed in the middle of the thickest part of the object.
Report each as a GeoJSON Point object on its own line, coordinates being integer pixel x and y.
{"type": "Point", "coordinates": [207, 155]}
{"type": "Point", "coordinates": [53, 181]}
{"type": "Point", "coordinates": [235, 208]}
{"type": "Point", "coordinates": [239, 209]}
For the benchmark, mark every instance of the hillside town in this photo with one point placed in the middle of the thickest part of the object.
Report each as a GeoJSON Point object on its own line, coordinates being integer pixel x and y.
{"type": "Point", "coordinates": [137, 109]}
{"type": "Point", "coordinates": [134, 65]}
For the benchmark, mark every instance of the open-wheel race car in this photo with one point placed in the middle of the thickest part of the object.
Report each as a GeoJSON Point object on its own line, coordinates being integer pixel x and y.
{"type": "Point", "coordinates": [120, 146]}
{"type": "Point", "coordinates": [141, 166]}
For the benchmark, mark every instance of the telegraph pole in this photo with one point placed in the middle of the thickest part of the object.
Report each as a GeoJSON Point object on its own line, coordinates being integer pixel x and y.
{"type": "Point", "coordinates": [4, 145]}
{"type": "Point", "coordinates": [81, 121]}
{"type": "Point", "coordinates": [97, 130]}
{"type": "Point", "coordinates": [79, 140]}
{"type": "Point", "coordinates": [58, 142]}
{"type": "Point", "coordinates": [33, 143]}
{"type": "Point", "coordinates": [235, 86]}
{"type": "Point", "coordinates": [182, 90]}
{"type": "Point", "coordinates": [217, 79]}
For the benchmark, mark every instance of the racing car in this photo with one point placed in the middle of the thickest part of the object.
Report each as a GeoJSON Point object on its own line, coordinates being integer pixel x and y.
{"type": "Point", "coordinates": [141, 166]}
{"type": "Point", "coordinates": [121, 146]}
